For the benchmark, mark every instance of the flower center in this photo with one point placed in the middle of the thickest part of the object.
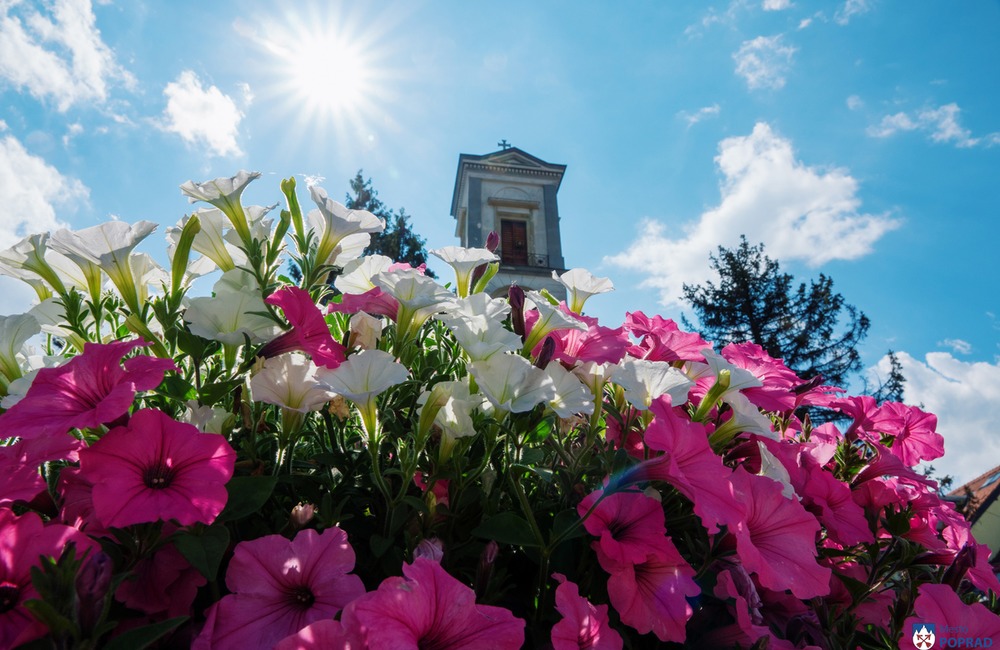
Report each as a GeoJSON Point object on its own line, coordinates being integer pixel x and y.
{"type": "Point", "coordinates": [158, 476]}
{"type": "Point", "coordinates": [303, 597]}
{"type": "Point", "coordinates": [8, 596]}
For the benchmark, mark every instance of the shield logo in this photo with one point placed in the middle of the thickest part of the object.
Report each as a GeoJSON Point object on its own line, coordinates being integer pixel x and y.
{"type": "Point", "coordinates": [923, 636]}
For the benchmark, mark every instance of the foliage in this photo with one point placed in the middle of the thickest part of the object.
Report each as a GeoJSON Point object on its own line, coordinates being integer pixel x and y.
{"type": "Point", "coordinates": [403, 466]}
{"type": "Point", "coordinates": [809, 326]}
{"type": "Point", "coordinates": [398, 241]}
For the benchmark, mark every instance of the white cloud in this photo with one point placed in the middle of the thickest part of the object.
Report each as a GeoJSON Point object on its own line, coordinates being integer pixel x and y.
{"type": "Point", "coordinates": [957, 345]}
{"type": "Point", "coordinates": [941, 123]}
{"type": "Point", "coordinates": [58, 54]}
{"type": "Point", "coordinates": [32, 189]}
{"type": "Point", "coordinates": [202, 116]}
{"type": "Point", "coordinates": [854, 102]}
{"type": "Point", "coordinates": [805, 22]}
{"type": "Point", "coordinates": [72, 130]}
{"type": "Point", "coordinates": [764, 62]}
{"type": "Point", "coordinates": [700, 114]}
{"type": "Point", "coordinates": [965, 396]}
{"type": "Point", "coordinates": [798, 212]}
{"type": "Point", "coordinates": [776, 5]}
{"type": "Point", "coordinates": [850, 9]}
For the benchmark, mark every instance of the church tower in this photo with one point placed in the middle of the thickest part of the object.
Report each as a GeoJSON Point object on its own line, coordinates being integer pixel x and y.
{"type": "Point", "coordinates": [512, 193]}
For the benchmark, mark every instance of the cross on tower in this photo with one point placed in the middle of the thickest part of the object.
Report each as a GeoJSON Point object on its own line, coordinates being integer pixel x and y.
{"type": "Point", "coordinates": [503, 144]}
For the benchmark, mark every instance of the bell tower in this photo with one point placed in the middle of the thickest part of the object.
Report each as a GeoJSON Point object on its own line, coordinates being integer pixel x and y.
{"type": "Point", "coordinates": [512, 193]}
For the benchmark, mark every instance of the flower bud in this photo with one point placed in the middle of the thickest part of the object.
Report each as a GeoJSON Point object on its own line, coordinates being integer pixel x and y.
{"type": "Point", "coordinates": [546, 353]}
{"type": "Point", "coordinates": [301, 515]}
{"type": "Point", "coordinates": [340, 408]}
{"type": "Point", "coordinates": [492, 241]}
{"type": "Point", "coordinates": [432, 549]}
{"type": "Point", "coordinates": [515, 295]}
{"type": "Point", "coordinates": [484, 571]}
{"type": "Point", "coordinates": [964, 560]}
{"type": "Point", "coordinates": [92, 582]}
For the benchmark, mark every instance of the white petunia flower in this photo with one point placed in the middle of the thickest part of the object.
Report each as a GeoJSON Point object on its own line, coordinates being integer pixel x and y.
{"type": "Point", "coordinates": [645, 381]}
{"type": "Point", "coordinates": [338, 222]}
{"type": "Point", "coordinates": [511, 383]}
{"type": "Point", "coordinates": [109, 246]}
{"type": "Point", "coordinates": [361, 378]}
{"type": "Point", "coordinates": [482, 337]}
{"type": "Point", "coordinates": [235, 310]}
{"type": "Point", "coordinates": [571, 395]}
{"type": "Point", "coordinates": [550, 319]}
{"type": "Point", "coordinates": [290, 381]}
{"type": "Point", "coordinates": [464, 261]}
{"type": "Point", "coordinates": [15, 331]}
{"type": "Point", "coordinates": [29, 255]}
{"type": "Point", "coordinates": [581, 284]}
{"type": "Point", "coordinates": [225, 193]}
{"type": "Point", "coordinates": [358, 274]}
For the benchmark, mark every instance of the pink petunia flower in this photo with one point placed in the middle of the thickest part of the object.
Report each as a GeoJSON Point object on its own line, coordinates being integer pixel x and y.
{"type": "Point", "coordinates": [326, 634]}
{"type": "Point", "coordinates": [583, 626]}
{"type": "Point", "coordinates": [652, 596]}
{"type": "Point", "coordinates": [428, 608]}
{"type": "Point", "coordinates": [22, 541]}
{"type": "Point", "coordinates": [689, 464]}
{"type": "Point", "coordinates": [164, 583]}
{"type": "Point", "coordinates": [630, 525]}
{"type": "Point", "coordinates": [280, 587]}
{"type": "Point", "coordinates": [940, 605]}
{"type": "Point", "coordinates": [912, 430]}
{"type": "Point", "coordinates": [374, 301]}
{"type": "Point", "coordinates": [20, 479]}
{"type": "Point", "coordinates": [776, 393]}
{"type": "Point", "coordinates": [89, 390]}
{"type": "Point", "coordinates": [156, 468]}
{"type": "Point", "coordinates": [309, 331]}
{"type": "Point", "coordinates": [662, 340]}
{"type": "Point", "coordinates": [777, 539]}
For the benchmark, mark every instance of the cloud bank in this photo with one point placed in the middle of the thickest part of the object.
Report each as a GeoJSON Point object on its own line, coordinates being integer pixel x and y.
{"type": "Point", "coordinates": [32, 190]}
{"type": "Point", "coordinates": [799, 212]}
{"type": "Point", "coordinates": [764, 61]}
{"type": "Point", "coordinates": [204, 117]}
{"type": "Point", "coordinates": [57, 55]}
{"type": "Point", "coordinates": [941, 124]}
{"type": "Point", "coordinates": [965, 396]}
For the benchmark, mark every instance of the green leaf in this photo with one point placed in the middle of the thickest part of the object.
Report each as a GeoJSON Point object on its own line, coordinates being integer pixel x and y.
{"type": "Point", "coordinates": [143, 637]}
{"type": "Point", "coordinates": [246, 496]}
{"type": "Point", "coordinates": [564, 521]}
{"type": "Point", "coordinates": [507, 528]}
{"type": "Point", "coordinates": [545, 474]}
{"type": "Point", "coordinates": [191, 344]}
{"type": "Point", "coordinates": [204, 550]}
{"type": "Point", "coordinates": [58, 624]}
{"type": "Point", "coordinates": [380, 544]}
{"type": "Point", "coordinates": [175, 387]}
{"type": "Point", "coordinates": [212, 393]}
{"type": "Point", "coordinates": [538, 435]}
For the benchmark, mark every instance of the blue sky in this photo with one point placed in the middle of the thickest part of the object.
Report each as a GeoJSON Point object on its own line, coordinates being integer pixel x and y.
{"type": "Point", "coordinates": [861, 139]}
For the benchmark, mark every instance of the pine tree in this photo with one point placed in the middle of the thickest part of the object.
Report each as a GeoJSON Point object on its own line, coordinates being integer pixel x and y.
{"type": "Point", "coordinates": [756, 301]}
{"type": "Point", "coordinates": [892, 389]}
{"type": "Point", "coordinates": [398, 241]}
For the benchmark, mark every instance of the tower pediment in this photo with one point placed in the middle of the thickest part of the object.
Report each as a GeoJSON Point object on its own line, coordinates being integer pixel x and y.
{"type": "Point", "coordinates": [512, 193]}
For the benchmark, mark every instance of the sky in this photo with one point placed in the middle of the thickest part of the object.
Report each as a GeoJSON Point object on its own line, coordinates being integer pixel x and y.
{"type": "Point", "coordinates": [859, 138]}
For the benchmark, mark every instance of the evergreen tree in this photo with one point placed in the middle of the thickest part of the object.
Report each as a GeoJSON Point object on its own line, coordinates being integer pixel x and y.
{"type": "Point", "coordinates": [891, 390]}
{"type": "Point", "coordinates": [756, 301]}
{"type": "Point", "coordinates": [398, 241]}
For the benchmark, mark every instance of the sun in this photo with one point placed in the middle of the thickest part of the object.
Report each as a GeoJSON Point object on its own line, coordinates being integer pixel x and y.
{"type": "Point", "coordinates": [328, 74]}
